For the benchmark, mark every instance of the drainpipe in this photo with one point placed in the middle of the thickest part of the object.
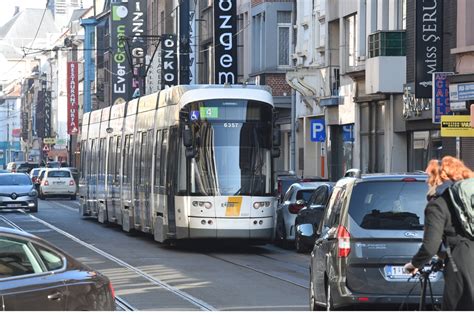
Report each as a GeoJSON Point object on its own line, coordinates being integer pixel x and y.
{"type": "Point", "coordinates": [89, 69]}
{"type": "Point", "coordinates": [293, 132]}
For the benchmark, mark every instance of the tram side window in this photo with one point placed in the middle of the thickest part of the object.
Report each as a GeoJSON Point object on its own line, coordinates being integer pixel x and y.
{"type": "Point", "coordinates": [118, 153]}
{"type": "Point", "coordinates": [157, 157]}
{"type": "Point", "coordinates": [164, 157]}
{"type": "Point", "coordinates": [139, 158]}
{"type": "Point", "coordinates": [146, 157]}
{"type": "Point", "coordinates": [125, 157]}
{"type": "Point", "coordinates": [111, 159]}
{"type": "Point", "coordinates": [130, 159]}
{"type": "Point", "coordinates": [102, 156]}
{"type": "Point", "coordinates": [83, 158]}
{"type": "Point", "coordinates": [181, 168]}
{"type": "Point", "coordinates": [91, 158]}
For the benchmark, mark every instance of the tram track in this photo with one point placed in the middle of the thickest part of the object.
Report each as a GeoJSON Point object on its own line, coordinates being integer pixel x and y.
{"type": "Point", "coordinates": [202, 305]}
{"type": "Point", "coordinates": [123, 305]}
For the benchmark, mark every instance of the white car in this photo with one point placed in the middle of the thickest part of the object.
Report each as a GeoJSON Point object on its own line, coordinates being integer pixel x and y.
{"type": "Point", "coordinates": [57, 182]}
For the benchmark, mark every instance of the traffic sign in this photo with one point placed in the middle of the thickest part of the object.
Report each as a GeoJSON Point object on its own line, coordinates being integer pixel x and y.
{"type": "Point", "coordinates": [318, 130]}
{"type": "Point", "coordinates": [49, 140]}
{"type": "Point", "coordinates": [46, 148]}
{"type": "Point", "coordinates": [348, 133]}
{"type": "Point", "coordinates": [456, 126]}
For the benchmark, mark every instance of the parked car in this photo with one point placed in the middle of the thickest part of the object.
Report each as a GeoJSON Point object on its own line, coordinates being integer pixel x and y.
{"type": "Point", "coordinates": [308, 218]}
{"type": "Point", "coordinates": [57, 182]}
{"type": "Point", "coordinates": [37, 276]}
{"type": "Point", "coordinates": [17, 192]}
{"type": "Point", "coordinates": [21, 167]}
{"type": "Point", "coordinates": [294, 200]}
{"type": "Point", "coordinates": [75, 174]}
{"type": "Point", "coordinates": [34, 173]}
{"type": "Point", "coordinates": [284, 181]}
{"type": "Point", "coordinates": [372, 225]}
{"type": "Point", "coordinates": [53, 164]}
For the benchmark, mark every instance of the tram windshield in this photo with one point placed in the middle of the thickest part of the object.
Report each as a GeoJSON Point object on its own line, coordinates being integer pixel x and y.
{"type": "Point", "coordinates": [233, 139]}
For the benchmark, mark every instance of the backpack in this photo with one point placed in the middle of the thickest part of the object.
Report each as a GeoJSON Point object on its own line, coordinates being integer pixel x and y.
{"type": "Point", "coordinates": [462, 196]}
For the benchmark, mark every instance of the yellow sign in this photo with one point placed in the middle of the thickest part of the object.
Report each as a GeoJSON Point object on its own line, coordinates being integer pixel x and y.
{"type": "Point", "coordinates": [49, 140]}
{"type": "Point", "coordinates": [233, 206]}
{"type": "Point", "coordinates": [456, 126]}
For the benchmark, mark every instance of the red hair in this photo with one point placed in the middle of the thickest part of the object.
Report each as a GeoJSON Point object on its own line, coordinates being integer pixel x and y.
{"type": "Point", "coordinates": [449, 168]}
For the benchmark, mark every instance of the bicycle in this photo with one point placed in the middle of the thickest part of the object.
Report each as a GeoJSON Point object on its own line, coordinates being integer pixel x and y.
{"type": "Point", "coordinates": [423, 275]}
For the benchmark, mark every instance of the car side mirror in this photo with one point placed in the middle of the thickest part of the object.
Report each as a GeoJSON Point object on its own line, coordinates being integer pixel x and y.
{"type": "Point", "coordinates": [187, 136]}
{"type": "Point", "coordinates": [301, 202]}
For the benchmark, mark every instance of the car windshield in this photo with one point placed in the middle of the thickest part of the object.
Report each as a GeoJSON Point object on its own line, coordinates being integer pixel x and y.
{"type": "Point", "coordinates": [14, 180]}
{"type": "Point", "coordinates": [389, 205]}
{"type": "Point", "coordinates": [59, 174]}
{"type": "Point", "coordinates": [304, 195]}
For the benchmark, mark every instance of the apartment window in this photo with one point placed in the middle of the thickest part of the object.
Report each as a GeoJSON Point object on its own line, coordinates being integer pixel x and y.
{"type": "Point", "coordinates": [388, 43]}
{"type": "Point", "coordinates": [372, 117]}
{"type": "Point", "coordinates": [350, 26]}
{"type": "Point", "coordinates": [284, 37]}
{"type": "Point", "coordinates": [404, 14]}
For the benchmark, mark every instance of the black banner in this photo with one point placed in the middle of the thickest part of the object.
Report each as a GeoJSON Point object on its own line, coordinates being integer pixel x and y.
{"type": "Point", "coordinates": [121, 76]}
{"type": "Point", "coordinates": [184, 29]}
{"type": "Point", "coordinates": [169, 62]}
{"type": "Point", "coordinates": [428, 45]}
{"type": "Point", "coordinates": [225, 41]}
{"type": "Point", "coordinates": [39, 112]}
{"type": "Point", "coordinates": [137, 44]}
{"type": "Point", "coordinates": [47, 115]}
{"type": "Point", "coordinates": [24, 124]}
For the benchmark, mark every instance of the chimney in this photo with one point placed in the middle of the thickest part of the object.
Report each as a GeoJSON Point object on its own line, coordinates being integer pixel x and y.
{"type": "Point", "coordinates": [17, 10]}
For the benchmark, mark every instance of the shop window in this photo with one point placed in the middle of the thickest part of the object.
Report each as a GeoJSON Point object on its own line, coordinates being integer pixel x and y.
{"type": "Point", "coordinates": [425, 145]}
{"type": "Point", "coordinates": [391, 43]}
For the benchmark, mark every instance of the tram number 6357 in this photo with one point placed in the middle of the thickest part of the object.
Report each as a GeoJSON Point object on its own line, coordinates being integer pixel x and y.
{"type": "Point", "coordinates": [231, 125]}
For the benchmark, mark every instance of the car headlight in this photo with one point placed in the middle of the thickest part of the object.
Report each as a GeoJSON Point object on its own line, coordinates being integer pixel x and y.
{"type": "Point", "coordinates": [33, 193]}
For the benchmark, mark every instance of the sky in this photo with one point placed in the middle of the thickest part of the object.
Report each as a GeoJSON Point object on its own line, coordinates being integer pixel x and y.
{"type": "Point", "coordinates": [8, 7]}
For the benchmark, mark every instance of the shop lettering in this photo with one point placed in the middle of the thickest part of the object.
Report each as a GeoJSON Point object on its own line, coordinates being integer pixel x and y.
{"type": "Point", "coordinates": [226, 60]}
{"type": "Point", "coordinates": [169, 62]}
{"type": "Point", "coordinates": [429, 30]}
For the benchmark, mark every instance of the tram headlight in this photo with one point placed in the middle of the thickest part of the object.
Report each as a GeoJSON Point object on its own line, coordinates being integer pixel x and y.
{"type": "Point", "coordinates": [257, 205]}
{"type": "Point", "coordinates": [207, 205]}
{"type": "Point", "coordinates": [195, 203]}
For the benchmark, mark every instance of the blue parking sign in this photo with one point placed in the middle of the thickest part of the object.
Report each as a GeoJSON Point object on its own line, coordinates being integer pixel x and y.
{"type": "Point", "coordinates": [318, 130]}
{"type": "Point", "coordinates": [348, 133]}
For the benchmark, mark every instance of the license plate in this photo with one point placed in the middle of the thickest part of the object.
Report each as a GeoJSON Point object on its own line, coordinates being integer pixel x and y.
{"type": "Point", "coordinates": [396, 272]}
{"type": "Point", "coordinates": [12, 205]}
{"type": "Point", "coordinates": [59, 183]}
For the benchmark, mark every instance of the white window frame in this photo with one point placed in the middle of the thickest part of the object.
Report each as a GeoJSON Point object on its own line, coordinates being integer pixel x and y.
{"type": "Point", "coordinates": [290, 40]}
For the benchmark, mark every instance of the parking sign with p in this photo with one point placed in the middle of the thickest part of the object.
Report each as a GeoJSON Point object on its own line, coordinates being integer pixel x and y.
{"type": "Point", "coordinates": [318, 130]}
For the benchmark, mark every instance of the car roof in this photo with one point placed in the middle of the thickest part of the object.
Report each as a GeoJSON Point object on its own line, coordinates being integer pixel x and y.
{"type": "Point", "coordinates": [14, 174]}
{"type": "Point", "coordinates": [374, 177]}
{"type": "Point", "coordinates": [58, 169]}
{"type": "Point", "coordinates": [16, 232]}
{"type": "Point", "coordinates": [308, 185]}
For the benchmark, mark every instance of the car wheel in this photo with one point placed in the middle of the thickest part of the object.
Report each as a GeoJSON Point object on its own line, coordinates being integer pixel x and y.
{"type": "Point", "coordinates": [329, 302]}
{"type": "Point", "coordinates": [35, 209]}
{"type": "Point", "coordinates": [280, 238]}
{"type": "Point", "coordinates": [40, 195]}
{"type": "Point", "coordinates": [73, 197]}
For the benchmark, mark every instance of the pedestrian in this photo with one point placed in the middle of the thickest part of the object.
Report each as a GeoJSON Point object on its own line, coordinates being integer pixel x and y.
{"type": "Point", "coordinates": [444, 227]}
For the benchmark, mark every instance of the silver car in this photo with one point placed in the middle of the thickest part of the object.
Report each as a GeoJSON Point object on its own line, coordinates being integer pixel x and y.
{"type": "Point", "coordinates": [17, 192]}
{"type": "Point", "coordinates": [294, 200]}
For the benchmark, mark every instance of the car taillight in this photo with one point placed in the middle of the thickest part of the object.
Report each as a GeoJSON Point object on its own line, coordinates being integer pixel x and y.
{"type": "Point", "coordinates": [112, 290]}
{"type": "Point", "coordinates": [71, 183]}
{"type": "Point", "coordinates": [409, 179]}
{"type": "Point", "coordinates": [45, 183]}
{"type": "Point", "coordinates": [343, 242]}
{"type": "Point", "coordinates": [295, 208]}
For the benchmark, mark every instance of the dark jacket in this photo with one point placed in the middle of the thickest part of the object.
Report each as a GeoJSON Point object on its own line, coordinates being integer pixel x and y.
{"type": "Point", "coordinates": [440, 223]}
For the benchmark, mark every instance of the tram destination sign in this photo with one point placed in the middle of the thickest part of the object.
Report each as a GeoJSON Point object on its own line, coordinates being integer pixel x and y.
{"type": "Point", "coordinates": [456, 126]}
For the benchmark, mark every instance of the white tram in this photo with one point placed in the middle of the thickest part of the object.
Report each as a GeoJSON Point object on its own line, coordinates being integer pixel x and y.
{"type": "Point", "coordinates": [192, 161]}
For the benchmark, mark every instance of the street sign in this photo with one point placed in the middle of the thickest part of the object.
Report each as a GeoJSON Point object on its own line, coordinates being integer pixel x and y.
{"type": "Point", "coordinates": [461, 91]}
{"type": "Point", "coordinates": [318, 130]}
{"type": "Point", "coordinates": [348, 133]}
{"type": "Point", "coordinates": [49, 140]}
{"type": "Point", "coordinates": [472, 116]}
{"type": "Point", "coordinates": [440, 98]}
{"type": "Point", "coordinates": [46, 148]}
{"type": "Point", "coordinates": [456, 126]}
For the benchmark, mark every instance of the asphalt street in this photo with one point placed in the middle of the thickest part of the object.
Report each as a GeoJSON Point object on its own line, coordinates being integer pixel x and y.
{"type": "Point", "coordinates": [191, 276]}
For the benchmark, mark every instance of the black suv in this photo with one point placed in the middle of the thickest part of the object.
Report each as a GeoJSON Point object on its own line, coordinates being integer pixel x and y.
{"type": "Point", "coordinates": [372, 225]}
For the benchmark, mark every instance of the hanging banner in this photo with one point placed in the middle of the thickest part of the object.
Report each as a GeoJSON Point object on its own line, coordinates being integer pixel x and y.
{"type": "Point", "coordinates": [39, 115]}
{"type": "Point", "coordinates": [169, 62]}
{"type": "Point", "coordinates": [121, 76]}
{"type": "Point", "coordinates": [137, 44]}
{"type": "Point", "coordinates": [225, 41]}
{"type": "Point", "coordinates": [47, 114]}
{"type": "Point", "coordinates": [428, 45]}
{"type": "Point", "coordinates": [440, 100]}
{"type": "Point", "coordinates": [183, 47]}
{"type": "Point", "coordinates": [72, 97]}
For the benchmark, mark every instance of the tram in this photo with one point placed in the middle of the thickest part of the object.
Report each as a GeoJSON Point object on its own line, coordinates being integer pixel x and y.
{"type": "Point", "coordinates": [188, 162]}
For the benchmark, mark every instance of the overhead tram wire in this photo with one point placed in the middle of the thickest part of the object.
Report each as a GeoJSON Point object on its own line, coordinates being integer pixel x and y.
{"type": "Point", "coordinates": [36, 35]}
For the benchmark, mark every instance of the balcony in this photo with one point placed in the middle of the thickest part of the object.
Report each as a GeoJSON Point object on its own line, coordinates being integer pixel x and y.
{"type": "Point", "coordinates": [386, 66]}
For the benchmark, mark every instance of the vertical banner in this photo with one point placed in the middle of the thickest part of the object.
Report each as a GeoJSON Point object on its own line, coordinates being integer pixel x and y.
{"type": "Point", "coordinates": [40, 115]}
{"type": "Point", "coordinates": [183, 46]}
{"type": "Point", "coordinates": [428, 45]}
{"type": "Point", "coordinates": [121, 77]}
{"type": "Point", "coordinates": [225, 41]}
{"type": "Point", "coordinates": [440, 100]}
{"type": "Point", "coordinates": [24, 124]}
{"type": "Point", "coordinates": [137, 45]}
{"type": "Point", "coordinates": [169, 62]}
{"type": "Point", "coordinates": [47, 114]}
{"type": "Point", "coordinates": [192, 44]}
{"type": "Point", "coordinates": [72, 97]}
